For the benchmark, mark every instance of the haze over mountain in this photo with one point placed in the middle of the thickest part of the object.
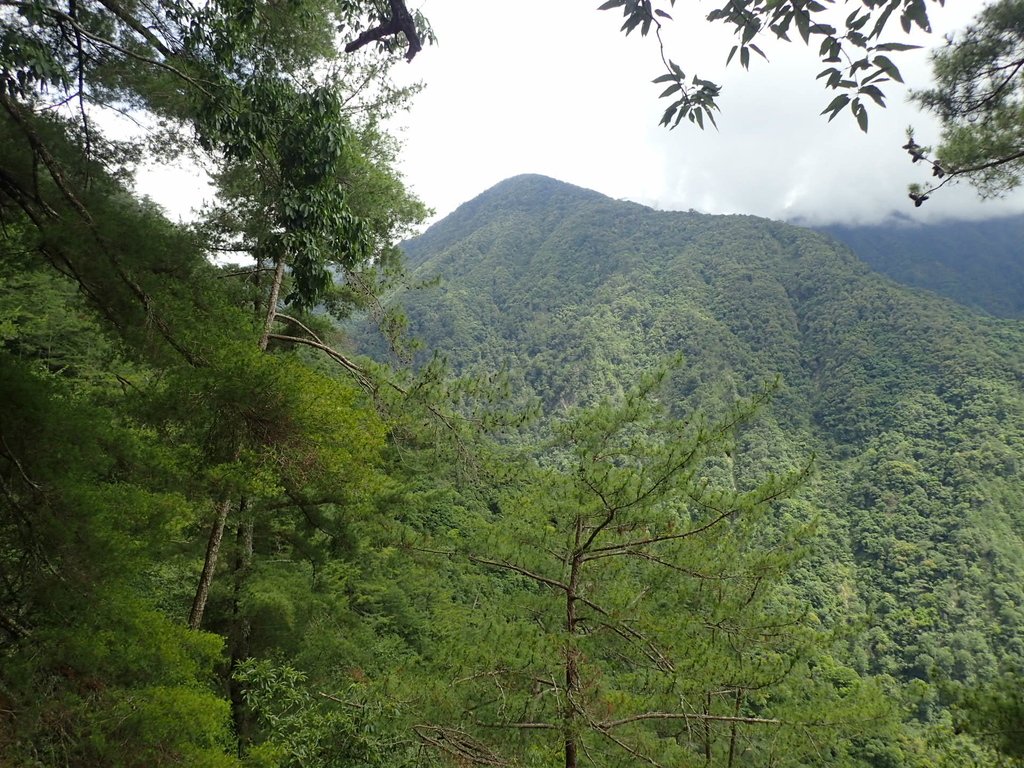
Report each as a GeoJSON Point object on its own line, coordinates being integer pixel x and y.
{"type": "Point", "coordinates": [977, 263]}
{"type": "Point", "coordinates": [911, 402]}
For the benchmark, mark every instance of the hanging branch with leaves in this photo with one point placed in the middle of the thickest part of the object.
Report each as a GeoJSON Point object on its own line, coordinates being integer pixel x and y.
{"type": "Point", "coordinates": [857, 58]}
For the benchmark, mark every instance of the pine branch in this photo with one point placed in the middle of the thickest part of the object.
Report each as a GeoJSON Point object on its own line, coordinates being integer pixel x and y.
{"type": "Point", "coordinates": [629, 545]}
{"type": "Point", "coordinates": [529, 574]}
{"type": "Point", "coordinates": [102, 41]}
{"type": "Point", "coordinates": [41, 152]}
{"type": "Point", "coordinates": [689, 716]}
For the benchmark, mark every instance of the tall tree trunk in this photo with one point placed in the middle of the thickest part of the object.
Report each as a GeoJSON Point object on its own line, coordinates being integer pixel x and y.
{"type": "Point", "coordinates": [572, 672]}
{"type": "Point", "coordinates": [735, 726]}
{"type": "Point", "coordinates": [195, 616]}
{"type": "Point", "coordinates": [275, 292]}
{"type": "Point", "coordinates": [707, 730]}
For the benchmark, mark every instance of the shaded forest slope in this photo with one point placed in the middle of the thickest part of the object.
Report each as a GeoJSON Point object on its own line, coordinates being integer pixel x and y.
{"type": "Point", "coordinates": [977, 263]}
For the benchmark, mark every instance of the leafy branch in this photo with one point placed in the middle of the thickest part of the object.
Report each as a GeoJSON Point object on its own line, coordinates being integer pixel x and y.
{"type": "Point", "coordinates": [858, 76]}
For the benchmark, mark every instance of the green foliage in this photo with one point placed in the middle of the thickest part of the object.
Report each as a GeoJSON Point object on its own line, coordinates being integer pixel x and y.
{"type": "Point", "coordinates": [977, 97]}
{"type": "Point", "coordinates": [637, 608]}
{"type": "Point", "coordinates": [91, 675]}
{"type": "Point", "coordinates": [144, 421]}
{"type": "Point", "coordinates": [975, 263]}
{"type": "Point", "coordinates": [855, 53]}
{"type": "Point", "coordinates": [995, 712]}
{"type": "Point", "coordinates": [320, 729]}
{"type": "Point", "coordinates": [911, 405]}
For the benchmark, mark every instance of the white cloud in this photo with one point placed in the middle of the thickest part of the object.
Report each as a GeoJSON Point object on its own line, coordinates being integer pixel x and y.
{"type": "Point", "coordinates": [536, 86]}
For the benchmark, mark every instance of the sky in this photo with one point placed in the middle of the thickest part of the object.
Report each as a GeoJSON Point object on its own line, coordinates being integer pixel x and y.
{"type": "Point", "coordinates": [552, 87]}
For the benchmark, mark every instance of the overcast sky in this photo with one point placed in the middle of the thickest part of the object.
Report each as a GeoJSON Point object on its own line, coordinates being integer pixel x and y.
{"type": "Point", "coordinates": [552, 87]}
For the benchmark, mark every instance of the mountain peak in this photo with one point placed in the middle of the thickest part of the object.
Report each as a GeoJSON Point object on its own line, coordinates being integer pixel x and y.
{"type": "Point", "coordinates": [529, 194]}
{"type": "Point", "coordinates": [537, 185]}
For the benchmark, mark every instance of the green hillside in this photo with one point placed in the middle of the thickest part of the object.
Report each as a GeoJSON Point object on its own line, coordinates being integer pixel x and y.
{"type": "Point", "coordinates": [911, 403]}
{"type": "Point", "coordinates": [660, 489]}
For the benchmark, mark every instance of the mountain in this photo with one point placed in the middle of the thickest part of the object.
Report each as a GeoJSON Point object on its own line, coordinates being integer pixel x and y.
{"type": "Point", "coordinates": [977, 263]}
{"type": "Point", "coordinates": [911, 403]}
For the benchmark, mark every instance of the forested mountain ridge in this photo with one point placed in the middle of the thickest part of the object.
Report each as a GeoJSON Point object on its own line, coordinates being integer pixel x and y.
{"type": "Point", "coordinates": [225, 542]}
{"type": "Point", "coordinates": [977, 263]}
{"type": "Point", "coordinates": [912, 403]}
{"type": "Point", "coordinates": [773, 299]}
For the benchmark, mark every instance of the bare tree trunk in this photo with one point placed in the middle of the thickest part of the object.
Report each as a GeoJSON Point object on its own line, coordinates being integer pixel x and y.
{"type": "Point", "coordinates": [195, 616]}
{"type": "Point", "coordinates": [275, 292]}
{"type": "Point", "coordinates": [707, 731]}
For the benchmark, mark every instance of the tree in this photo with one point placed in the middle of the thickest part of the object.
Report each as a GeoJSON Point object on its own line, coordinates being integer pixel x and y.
{"type": "Point", "coordinates": [252, 85]}
{"type": "Point", "coordinates": [257, 89]}
{"type": "Point", "coordinates": [636, 614]}
{"type": "Point", "coordinates": [90, 497]}
{"type": "Point", "coordinates": [994, 712]}
{"type": "Point", "coordinates": [978, 97]}
{"type": "Point", "coordinates": [309, 191]}
{"type": "Point", "coordinates": [977, 94]}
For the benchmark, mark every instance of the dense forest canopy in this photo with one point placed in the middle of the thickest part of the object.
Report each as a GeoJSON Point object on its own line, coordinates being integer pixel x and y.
{"type": "Point", "coordinates": [686, 490]}
{"type": "Point", "coordinates": [893, 391]}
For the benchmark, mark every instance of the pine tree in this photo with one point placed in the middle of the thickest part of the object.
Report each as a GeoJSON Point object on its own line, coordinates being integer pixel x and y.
{"type": "Point", "coordinates": [638, 611]}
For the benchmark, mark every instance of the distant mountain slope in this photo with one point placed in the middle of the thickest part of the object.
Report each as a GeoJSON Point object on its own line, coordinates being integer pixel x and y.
{"type": "Point", "coordinates": [977, 263]}
{"type": "Point", "coordinates": [912, 403]}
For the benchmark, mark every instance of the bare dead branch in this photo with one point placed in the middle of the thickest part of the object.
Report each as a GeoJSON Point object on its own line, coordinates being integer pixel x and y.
{"type": "Point", "coordinates": [689, 716]}
{"type": "Point", "coordinates": [331, 697]}
{"type": "Point", "coordinates": [14, 460]}
{"type": "Point", "coordinates": [623, 745]}
{"type": "Point", "coordinates": [330, 352]}
{"type": "Point", "coordinates": [529, 574]}
{"type": "Point", "coordinates": [245, 272]}
{"type": "Point", "coordinates": [458, 744]}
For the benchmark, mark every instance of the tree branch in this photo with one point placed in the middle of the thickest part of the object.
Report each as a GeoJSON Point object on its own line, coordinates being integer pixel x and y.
{"type": "Point", "coordinates": [136, 25]}
{"type": "Point", "coordinates": [689, 716]}
{"type": "Point", "coordinates": [458, 744]}
{"type": "Point", "coordinates": [529, 574]}
{"type": "Point", "coordinates": [40, 151]}
{"type": "Point", "coordinates": [61, 16]}
{"type": "Point", "coordinates": [401, 21]}
{"type": "Point", "coordinates": [666, 537]}
{"type": "Point", "coordinates": [330, 352]}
